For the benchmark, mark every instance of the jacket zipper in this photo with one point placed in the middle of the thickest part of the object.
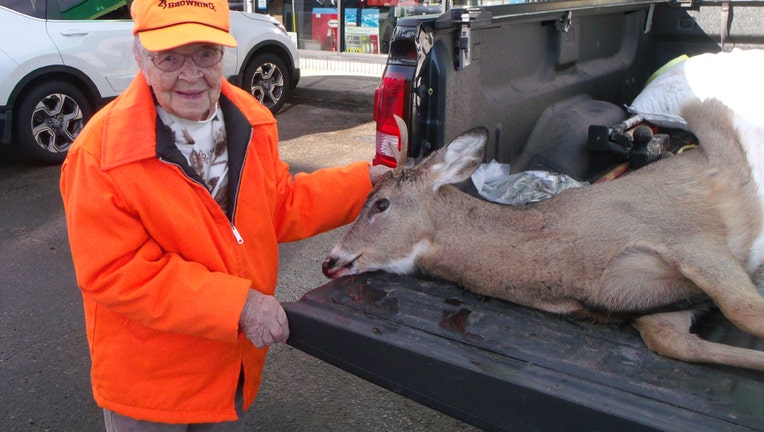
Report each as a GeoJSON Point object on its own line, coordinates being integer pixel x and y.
{"type": "Point", "coordinates": [236, 234]}
{"type": "Point", "coordinates": [235, 201]}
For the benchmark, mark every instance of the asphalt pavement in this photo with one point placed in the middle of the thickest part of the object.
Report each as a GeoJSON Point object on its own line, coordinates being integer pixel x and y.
{"type": "Point", "coordinates": [44, 362]}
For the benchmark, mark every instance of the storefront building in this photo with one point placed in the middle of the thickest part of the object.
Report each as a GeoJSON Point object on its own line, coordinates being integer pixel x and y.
{"type": "Point", "coordinates": [363, 26]}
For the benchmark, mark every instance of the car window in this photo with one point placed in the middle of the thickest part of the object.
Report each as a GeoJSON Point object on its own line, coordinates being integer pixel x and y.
{"type": "Point", "coordinates": [33, 8]}
{"type": "Point", "coordinates": [87, 9]}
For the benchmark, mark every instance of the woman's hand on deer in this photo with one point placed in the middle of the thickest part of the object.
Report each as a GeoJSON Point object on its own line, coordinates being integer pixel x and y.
{"type": "Point", "coordinates": [376, 172]}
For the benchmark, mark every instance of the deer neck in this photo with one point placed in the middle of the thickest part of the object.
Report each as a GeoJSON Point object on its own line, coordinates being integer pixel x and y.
{"type": "Point", "coordinates": [488, 220]}
{"type": "Point", "coordinates": [506, 243]}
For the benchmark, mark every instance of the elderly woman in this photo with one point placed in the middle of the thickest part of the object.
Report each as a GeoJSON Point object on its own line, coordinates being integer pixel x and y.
{"type": "Point", "coordinates": [175, 202]}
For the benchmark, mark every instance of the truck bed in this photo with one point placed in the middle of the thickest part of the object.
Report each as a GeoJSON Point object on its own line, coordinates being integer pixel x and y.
{"type": "Point", "coordinates": [501, 366]}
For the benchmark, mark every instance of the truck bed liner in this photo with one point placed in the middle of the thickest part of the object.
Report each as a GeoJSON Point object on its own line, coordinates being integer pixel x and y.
{"type": "Point", "coordinates": [500, 366]}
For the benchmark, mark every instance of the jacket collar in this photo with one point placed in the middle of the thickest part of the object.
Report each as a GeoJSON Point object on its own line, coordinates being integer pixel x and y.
{"type": "Point", "coordinates": [131, 129]}
{"type": "Point", "coordinates": [130, 126]}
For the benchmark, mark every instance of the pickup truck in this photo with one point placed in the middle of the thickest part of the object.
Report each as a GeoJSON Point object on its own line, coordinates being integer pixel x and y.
{"type": "Point", "coordinates": [528, 72]}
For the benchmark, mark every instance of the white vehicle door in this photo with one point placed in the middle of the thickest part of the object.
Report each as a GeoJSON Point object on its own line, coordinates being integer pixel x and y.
{"type": "Point", "coordinates": [95, 36]}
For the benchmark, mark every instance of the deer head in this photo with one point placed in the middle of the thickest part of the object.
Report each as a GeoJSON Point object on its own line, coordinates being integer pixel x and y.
{"type": "Point", "coordinates": [394, 227]}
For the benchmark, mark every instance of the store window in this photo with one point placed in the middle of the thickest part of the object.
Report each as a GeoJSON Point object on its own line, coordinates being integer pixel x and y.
{"type": "Point", "coordinates": [365, 26]}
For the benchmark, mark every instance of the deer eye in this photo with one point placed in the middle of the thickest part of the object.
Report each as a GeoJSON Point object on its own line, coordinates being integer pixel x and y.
{"type": "Point", "coordinates": [380, 205]}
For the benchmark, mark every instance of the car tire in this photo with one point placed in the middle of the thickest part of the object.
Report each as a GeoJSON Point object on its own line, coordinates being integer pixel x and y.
{"type": "Point", "coordinates": [267, 79]}
{"type": "Point", "coordinates": [48, 118]}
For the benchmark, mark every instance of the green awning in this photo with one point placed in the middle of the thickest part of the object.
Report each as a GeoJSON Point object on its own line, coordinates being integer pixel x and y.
{"type": "Point", "coordinates": [88, 9]}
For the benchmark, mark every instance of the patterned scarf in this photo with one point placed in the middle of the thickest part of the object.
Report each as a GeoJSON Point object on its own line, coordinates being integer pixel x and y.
{"type": "Point", "coordinates": [204, 145]}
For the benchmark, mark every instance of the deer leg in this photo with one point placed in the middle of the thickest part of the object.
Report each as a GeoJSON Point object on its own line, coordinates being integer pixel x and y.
{"type": "Point", "coordinates": [669, 334]}
{"type": "Point", "coordinates": [723, 279]}
{"type": "Point", "coordinates": [715, 271]}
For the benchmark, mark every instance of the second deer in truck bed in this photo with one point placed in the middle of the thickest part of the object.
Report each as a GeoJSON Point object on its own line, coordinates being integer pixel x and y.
{"type": "Point", "coordinates": [652, 247]}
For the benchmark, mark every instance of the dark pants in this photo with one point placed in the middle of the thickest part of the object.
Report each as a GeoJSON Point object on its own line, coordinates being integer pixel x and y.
{"type": "Point", "coordinates": [119, 423]}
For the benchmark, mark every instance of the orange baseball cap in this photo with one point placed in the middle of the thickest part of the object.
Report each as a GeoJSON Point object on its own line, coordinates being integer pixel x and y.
{"type": "Point", "coordinates": [168, 24]}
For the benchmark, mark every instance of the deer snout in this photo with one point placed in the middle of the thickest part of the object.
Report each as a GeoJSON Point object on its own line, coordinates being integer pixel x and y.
{"type": "Point", "coordinates": [335, 266]}
{"type": "Point", "coordinates": [328, 266]}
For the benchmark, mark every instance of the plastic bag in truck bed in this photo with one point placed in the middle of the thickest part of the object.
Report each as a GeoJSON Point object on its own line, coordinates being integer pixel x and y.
{"type": "Point", "coordinates": [735, 78]}
{"type": "Point", "coordinates": [494, 183]}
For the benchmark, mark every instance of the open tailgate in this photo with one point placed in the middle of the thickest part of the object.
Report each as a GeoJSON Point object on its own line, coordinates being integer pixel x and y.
{"type": "Point", "coordinates": [500, 366]}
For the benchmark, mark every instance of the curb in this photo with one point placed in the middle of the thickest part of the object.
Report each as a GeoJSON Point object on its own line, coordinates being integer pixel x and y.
{"type": "Point", "coordinates": [344, 89]}
{"type": "Point", "coordinates": [343, 78]}
{"type": "Point", "coordinates": [343, 63]}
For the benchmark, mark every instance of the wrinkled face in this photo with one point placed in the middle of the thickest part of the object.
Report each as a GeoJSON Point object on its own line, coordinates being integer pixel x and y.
{"type": "Point", "coordinates": [191, 91]}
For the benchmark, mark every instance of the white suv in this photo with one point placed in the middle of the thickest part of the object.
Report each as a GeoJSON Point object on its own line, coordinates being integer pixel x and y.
{"type": "Point", "coordinates": [60, 60]}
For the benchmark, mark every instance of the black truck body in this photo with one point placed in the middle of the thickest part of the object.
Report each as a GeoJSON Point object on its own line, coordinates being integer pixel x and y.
{"type": "Point", "coordinates": [526, 72]}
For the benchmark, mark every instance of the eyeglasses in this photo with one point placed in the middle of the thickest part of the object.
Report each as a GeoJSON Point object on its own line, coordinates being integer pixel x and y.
{"type": "Point", "coordinates": [171, 61]}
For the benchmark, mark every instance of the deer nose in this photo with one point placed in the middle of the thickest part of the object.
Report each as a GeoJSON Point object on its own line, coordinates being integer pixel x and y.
{"type": "Point", "coordinates": [328, 265]}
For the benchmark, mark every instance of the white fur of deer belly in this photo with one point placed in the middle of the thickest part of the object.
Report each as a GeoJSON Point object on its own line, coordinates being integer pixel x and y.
{"type": "Point", "coordinates": [752, 140]}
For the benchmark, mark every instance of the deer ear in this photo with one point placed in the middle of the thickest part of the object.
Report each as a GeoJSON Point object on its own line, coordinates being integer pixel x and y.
{"type": "Point", "coordinates": [457, 161]}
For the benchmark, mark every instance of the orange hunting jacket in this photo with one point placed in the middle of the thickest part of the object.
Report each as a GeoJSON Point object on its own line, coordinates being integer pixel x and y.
{"type": "Point", "coordinates": [164, 272]}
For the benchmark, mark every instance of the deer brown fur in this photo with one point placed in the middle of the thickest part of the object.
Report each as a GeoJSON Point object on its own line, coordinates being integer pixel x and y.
{"type": "Point", "coordinates": [651, 247]}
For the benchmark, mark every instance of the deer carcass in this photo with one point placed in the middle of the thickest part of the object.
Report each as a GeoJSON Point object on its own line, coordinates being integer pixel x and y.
{"type": "Point", "coordinates": [651, 247]}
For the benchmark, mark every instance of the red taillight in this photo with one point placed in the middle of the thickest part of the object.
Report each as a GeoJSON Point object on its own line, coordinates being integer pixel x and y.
{"type": "Point", "coordinates": [388, 100]}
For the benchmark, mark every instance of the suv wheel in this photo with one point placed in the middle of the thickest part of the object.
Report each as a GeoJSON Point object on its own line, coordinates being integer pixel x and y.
{"type": "Point", "coordinates": [267, 79]}
{"type": "Point", "coordinates": [48, 119]}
